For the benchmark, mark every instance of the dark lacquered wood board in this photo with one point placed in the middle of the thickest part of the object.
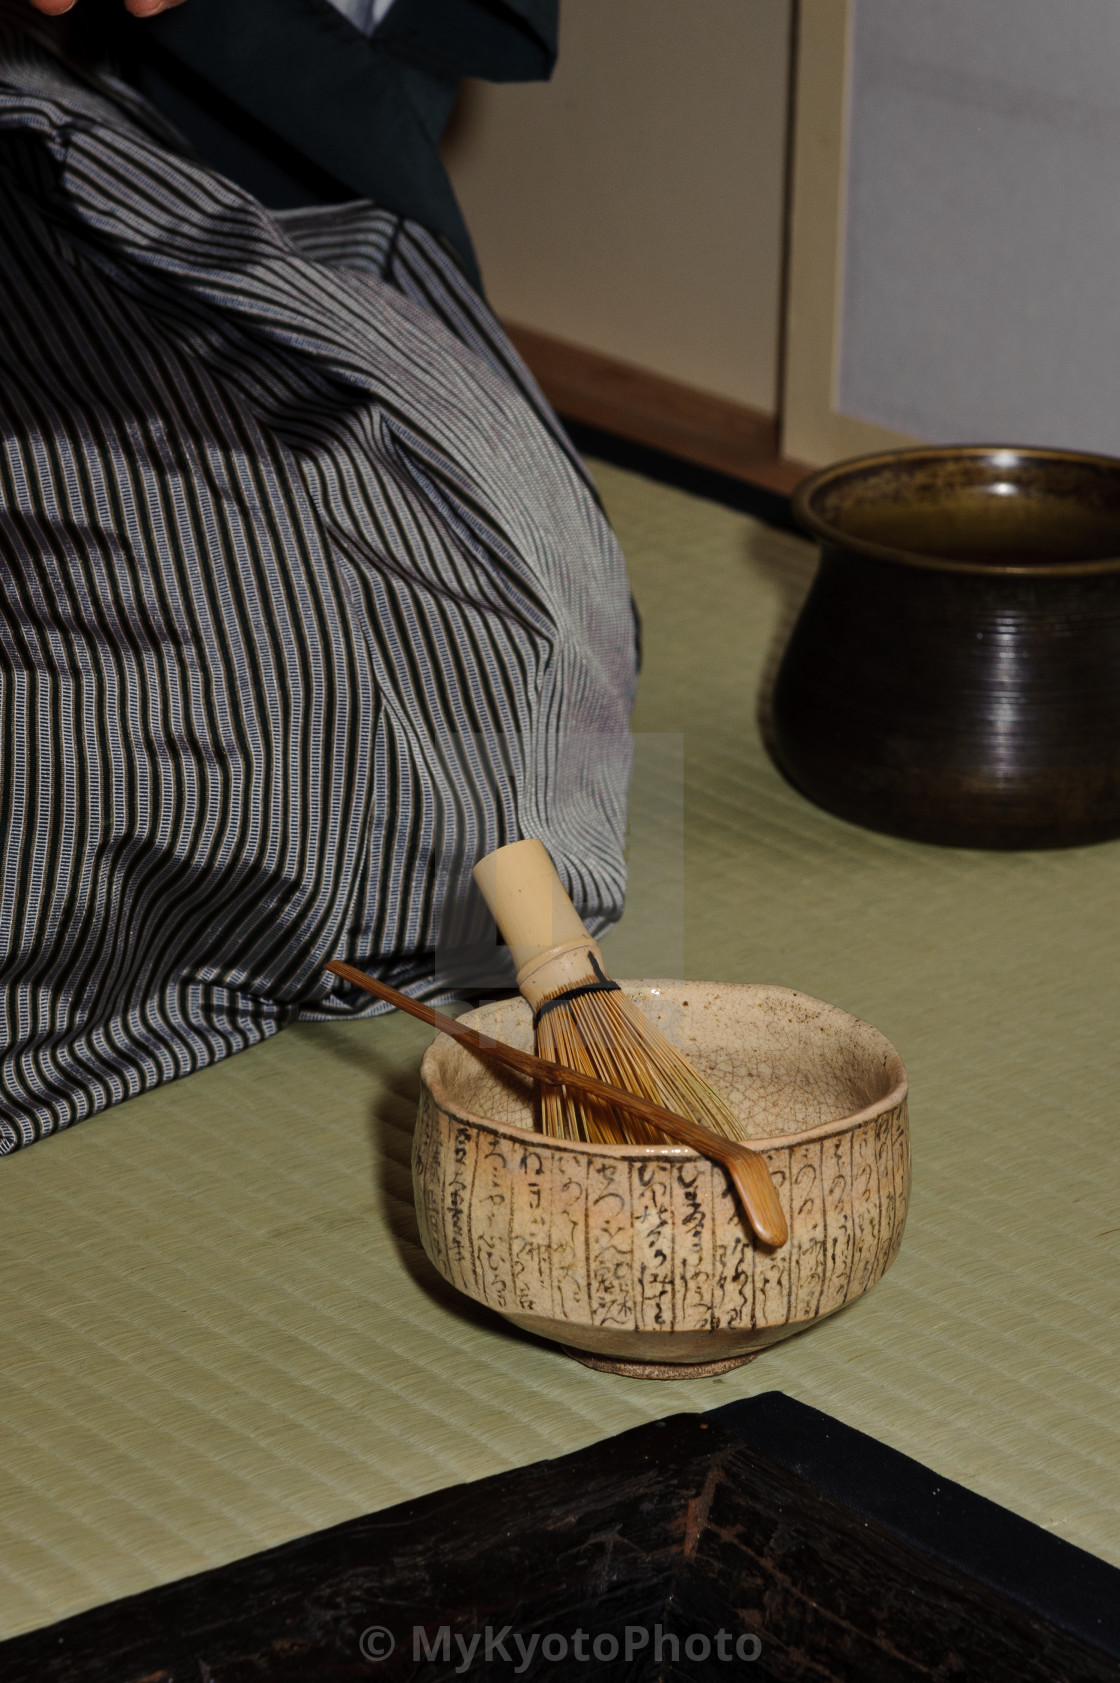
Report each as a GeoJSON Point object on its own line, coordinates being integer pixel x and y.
{"type": "Point", "coordinates": [764, 1519]}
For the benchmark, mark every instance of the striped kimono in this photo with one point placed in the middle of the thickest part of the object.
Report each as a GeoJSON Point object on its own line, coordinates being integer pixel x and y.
{"type": "Point", "coordinates": [305, 603]}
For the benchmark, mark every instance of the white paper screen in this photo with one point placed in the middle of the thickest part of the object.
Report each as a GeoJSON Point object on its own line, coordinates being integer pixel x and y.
{"type": "Point", "coordinates": [982, 261]}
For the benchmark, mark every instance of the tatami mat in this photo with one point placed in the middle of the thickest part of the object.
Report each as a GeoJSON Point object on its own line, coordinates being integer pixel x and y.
{"type": "Point", "coordinates": [217, 1328]}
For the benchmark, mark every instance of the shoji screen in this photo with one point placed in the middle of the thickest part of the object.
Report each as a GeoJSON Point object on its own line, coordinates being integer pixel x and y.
{"type": "Point", "coordinates": [981, 230]}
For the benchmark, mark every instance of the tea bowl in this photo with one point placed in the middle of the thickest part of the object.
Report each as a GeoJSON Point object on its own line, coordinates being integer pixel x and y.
{"type": "Point", "coordinates": [638, 1259]}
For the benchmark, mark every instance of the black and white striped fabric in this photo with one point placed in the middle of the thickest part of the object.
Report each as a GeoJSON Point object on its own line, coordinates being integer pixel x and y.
{"type": "Point", "coordinates": [304, 604]}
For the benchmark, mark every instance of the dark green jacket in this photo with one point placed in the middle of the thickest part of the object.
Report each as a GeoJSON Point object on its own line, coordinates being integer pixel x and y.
{"type": "Point", "coordinates": [294, 103]}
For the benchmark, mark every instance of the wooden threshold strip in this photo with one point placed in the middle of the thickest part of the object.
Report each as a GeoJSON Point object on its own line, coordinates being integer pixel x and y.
{"type": "Point", "coordinates": [617, 397]}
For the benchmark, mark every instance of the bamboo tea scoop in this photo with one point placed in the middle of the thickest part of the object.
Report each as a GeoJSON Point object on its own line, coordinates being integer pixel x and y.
{"type": "Point", "coordinates": [746, 1167]}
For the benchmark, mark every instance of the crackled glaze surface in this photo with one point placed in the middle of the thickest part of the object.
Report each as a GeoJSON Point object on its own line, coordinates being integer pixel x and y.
{"type": "Point", "coordinates": [641, 1252]}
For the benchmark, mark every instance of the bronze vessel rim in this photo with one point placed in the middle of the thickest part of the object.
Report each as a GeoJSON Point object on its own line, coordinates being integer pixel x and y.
{"type": "Point", "coordinates": [834, 537]}
{"type": "Point", "coordinates": [897, 1093]}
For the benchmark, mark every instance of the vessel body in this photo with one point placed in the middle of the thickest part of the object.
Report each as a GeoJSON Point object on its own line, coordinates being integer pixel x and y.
{"type": "Point", "coordinates": [642, 1253]}
{"type": "Point", "coordinates": [970, 697]}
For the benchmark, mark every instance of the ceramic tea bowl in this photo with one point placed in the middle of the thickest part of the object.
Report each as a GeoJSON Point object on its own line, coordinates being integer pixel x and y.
{"type": "Point", "coordinates": [954, 676]}
{"type": "Point", "coordinates": [638, 1258]}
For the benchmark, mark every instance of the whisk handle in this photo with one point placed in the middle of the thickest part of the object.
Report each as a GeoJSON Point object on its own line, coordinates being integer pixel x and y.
{"type": "Point", "coordinates": [746, 1166]}
{"type": "Point", "coordinates": [548, 940]}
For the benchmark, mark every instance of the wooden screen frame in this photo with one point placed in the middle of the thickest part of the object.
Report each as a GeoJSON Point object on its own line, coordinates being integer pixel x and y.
{"type": "Point", "coordinates": [813, 429]}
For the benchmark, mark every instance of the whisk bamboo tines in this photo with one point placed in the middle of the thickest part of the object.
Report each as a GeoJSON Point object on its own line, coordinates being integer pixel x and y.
{"type": "Point", "coordinates": [583, 1020]}
{"type": "Point", "coordinates": [604, 1034]}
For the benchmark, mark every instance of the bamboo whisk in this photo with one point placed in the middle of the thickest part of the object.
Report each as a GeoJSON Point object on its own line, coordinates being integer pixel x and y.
{"type": "Point", "coordinates": [582, 1019]}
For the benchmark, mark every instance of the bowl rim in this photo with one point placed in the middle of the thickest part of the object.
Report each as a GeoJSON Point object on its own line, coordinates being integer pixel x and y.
{"type": "Point", "coordinates": [895, 1096]}
{"type": "Point", "coordinates": [835, 538]}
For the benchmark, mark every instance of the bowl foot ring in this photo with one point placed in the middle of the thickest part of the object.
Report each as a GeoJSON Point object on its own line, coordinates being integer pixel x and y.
{"type": "Point", "coordinates": [659, 1370]}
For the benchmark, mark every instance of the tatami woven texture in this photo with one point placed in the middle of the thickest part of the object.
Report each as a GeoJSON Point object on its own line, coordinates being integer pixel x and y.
{"type": "Point", "coordinates": [217, 1328]}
